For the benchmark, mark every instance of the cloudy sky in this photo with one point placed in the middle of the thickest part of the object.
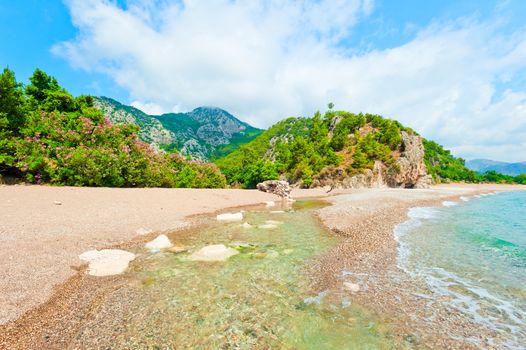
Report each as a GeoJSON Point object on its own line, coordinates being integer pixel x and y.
{"type": "Point", "coordinates": [453, 70]}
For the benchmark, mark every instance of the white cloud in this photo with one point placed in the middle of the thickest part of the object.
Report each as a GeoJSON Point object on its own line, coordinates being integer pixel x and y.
{"type": "Point", "coordinates": [148, 108]}
{"type": "Point", "coordinates": [264, 61]}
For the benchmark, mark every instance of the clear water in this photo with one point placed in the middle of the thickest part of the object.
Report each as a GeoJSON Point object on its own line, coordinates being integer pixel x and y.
{"type": "Point", "coordinates": [258, 299]}
{"type": "Point", "coordinates": [472, 255]}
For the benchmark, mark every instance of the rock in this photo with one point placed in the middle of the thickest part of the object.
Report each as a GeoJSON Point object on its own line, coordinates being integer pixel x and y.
{"type": "Point", "coordinates": [424, 182]}
{"type": "Point", "coordinates": [107, 262]}
{"type": "Point", "coordinates": [230, 217]}
{"type": "Point", "coordinates": [216, 252]}
{"type": "Point", "coordinates": [246, 225]}
{"type": "Point", "coordinates": [410, 170]}
{"type": "Point", "coordinates": [274, 222]}
{"type": "Point", "coordinates": [178, 249]}
{"type": "Point", "coordinates": [143, 231]}
{"type": "Point", "coordinates": [161, 242]}
{"type": "Point", "coordinates": [268, 226]}
{"type": "Point", "coordinates": [351, 287]}
{"type": "Point", "coordinates": [277, 187]}
{"type": "Point", "coordinates": [57, 203]}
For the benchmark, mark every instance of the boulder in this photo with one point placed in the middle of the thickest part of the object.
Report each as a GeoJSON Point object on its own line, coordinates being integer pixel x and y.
{"type": "Point", "coordinates": [215, 252]}
{"type": "Point", "coordinates": [277, 187]}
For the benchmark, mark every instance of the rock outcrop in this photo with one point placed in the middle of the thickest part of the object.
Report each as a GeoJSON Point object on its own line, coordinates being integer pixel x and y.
{"type": "Point", "coordinates": [410, 170]}
{"type": "Point", "coordinates": [277, 187]}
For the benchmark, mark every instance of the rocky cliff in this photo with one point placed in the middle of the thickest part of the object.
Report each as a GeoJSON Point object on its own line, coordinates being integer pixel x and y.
{"type": "Point", "coordinates": [408, 171]}
{"type": "Point", "coordinates": [340, 150]}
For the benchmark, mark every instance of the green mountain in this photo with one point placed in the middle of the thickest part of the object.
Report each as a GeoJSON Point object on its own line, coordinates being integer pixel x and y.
{"type": "Point", "coordinates": [342, 149]}
{"type": "Point", "coordinates": [206, 133]}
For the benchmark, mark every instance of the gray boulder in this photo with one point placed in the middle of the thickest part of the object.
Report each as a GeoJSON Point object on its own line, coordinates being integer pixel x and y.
{"type": "Point", "coordinates": [277, 187]}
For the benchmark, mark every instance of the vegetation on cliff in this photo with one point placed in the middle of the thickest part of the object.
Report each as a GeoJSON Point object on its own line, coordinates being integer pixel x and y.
{"type": "Point", "coordinates": [49, 136]}
{"type": "Point", "coordinates": [303, 149]}
{"type": "Point", "coordinates": [337, 146]}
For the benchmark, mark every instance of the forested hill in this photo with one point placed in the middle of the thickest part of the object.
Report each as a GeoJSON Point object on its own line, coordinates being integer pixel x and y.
{"type": "Point", "coordinates": [343, 149]}
{"type": "Point", "coordinates": [206, 133]}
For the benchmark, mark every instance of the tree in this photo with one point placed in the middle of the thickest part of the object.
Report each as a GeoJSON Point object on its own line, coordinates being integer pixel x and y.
{"type": "Point", "coordinates": [11, 103]}
{"type": "Point", "coordinates": [330, 105]}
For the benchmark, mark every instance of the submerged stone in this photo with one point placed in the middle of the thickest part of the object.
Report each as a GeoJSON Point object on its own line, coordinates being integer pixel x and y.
{"type": "Point", "coordinates": [161, 242]}
{"type": "Point", "coordinates": [246, 225]}
{"type": "Point", "coordinates": [107, 262]}
{"type": "Point", "coordinates": [215, 252]}
{"type": "Point", "coordinates": [230, 217]}
{"type": "Point", "coordinates": [351, 287]}
{"type": "Point", "coordinates": [268, 226]}
{"type": "Point", "coordinates": [178, 249]}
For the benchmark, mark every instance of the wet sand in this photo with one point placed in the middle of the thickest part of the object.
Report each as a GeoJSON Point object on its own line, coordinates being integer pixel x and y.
{"type": "Point", "coordinates": [41, 242]}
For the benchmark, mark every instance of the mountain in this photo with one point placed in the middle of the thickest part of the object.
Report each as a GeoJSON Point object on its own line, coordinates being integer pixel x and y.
{"type": "Point", "coordinates": [483, 165]}
{"type": "Point", "coordinates": [342, 149]}
{"type": "Point", "coordinates": [206, 133]}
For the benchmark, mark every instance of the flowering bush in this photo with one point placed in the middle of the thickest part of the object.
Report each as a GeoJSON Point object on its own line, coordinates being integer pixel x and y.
{"type": "Point", "coordinates": [66, 141]}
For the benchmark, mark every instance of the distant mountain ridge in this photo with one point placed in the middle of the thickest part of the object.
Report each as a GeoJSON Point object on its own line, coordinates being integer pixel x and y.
{"type": "Point", "coordinates": [206, 133]}
{"type": "Point", "coordinates": [483, 165]}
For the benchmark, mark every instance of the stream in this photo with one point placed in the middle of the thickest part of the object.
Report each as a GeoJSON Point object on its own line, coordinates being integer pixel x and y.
{"type": "Point", "coordinates": [257, 299]}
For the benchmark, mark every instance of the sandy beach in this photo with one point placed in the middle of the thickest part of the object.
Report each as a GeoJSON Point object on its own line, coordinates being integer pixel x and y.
{"type": "Point", "coordinates": [44, 229]}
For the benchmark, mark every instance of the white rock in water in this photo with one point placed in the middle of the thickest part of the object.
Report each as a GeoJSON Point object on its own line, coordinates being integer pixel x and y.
{"type": "Point", "coordinates": [274, 222]}
{"type": "Point", "coordinates": [161, 242]}
{"type": "Point", "coordinates": [351, 287]}
{"type": "Point", "coordinates": [143, 231]}
{"type": "Point", "coordinates": [268, 226]}
{"type": "Point", "coordinates": [270, 204]}
{"type": "Point", "coordinates": [215, 252]}
{"type": "Point", "coordinates": [246, 225]}
{"type": "Point", "coordinates": [107, 262]}
{"type": "Point", "coordinates": [230, 217]}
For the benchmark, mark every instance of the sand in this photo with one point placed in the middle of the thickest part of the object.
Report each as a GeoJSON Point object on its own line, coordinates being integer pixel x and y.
{"type": "Point", "coordinates": [40, 240]}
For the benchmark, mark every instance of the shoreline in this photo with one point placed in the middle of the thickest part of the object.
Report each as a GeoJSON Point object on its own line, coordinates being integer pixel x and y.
{"type": "Point", "coordinates": [63, 295]}
{"type": "Point", "coordinates": [385, 289]}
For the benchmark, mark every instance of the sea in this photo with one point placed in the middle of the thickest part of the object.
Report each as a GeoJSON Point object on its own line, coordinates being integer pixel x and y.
{"type": "Point", "coordinates": [471, 253]}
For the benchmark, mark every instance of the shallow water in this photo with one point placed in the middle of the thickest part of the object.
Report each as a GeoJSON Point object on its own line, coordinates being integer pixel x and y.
{"type": "Point", "coordinates": [259, 298]}
{"type": "Point", "coordinates": [472, 255]}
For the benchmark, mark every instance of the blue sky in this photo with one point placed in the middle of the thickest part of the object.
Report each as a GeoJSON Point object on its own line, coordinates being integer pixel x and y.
{"type": "Point", "coordinates": [452, 70]}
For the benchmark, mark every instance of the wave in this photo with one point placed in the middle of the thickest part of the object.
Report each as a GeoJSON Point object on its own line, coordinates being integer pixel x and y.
{"type": "Point", "coordinates": [484, 307]}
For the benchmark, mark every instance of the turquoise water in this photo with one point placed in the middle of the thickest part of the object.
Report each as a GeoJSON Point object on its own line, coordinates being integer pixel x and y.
{"type": "Point", "coordinates": [258, 299]}
{"type": "Point", "coordinates": [472, 255]}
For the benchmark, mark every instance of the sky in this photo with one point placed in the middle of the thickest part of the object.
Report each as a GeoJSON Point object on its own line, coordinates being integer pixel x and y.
{"type": "Point", "coordinates": [453, 70]}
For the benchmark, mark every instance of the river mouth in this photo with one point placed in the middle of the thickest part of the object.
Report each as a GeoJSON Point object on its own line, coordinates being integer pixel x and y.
{"type": "Point", "coordinates": [259, 298]}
